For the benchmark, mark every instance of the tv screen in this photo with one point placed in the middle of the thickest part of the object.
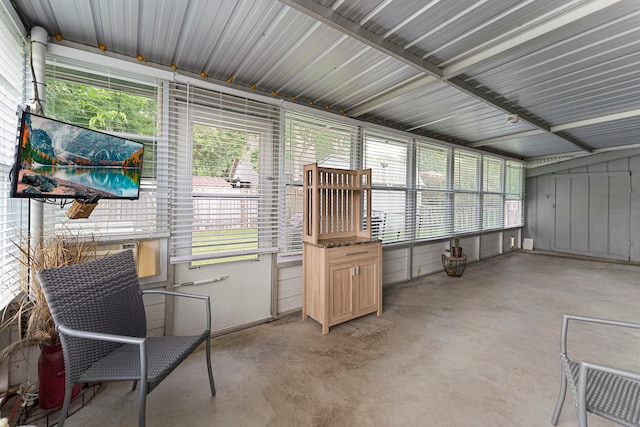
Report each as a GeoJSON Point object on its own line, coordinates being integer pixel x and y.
{"type": "Point", "coordinates": [59, 160]}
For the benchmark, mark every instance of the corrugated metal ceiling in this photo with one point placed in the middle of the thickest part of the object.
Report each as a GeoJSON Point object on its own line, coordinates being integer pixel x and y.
{"type": "Point", "coordinates": [451, 70]}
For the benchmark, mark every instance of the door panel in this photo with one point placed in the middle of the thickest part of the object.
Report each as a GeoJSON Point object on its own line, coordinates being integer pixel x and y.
{"type": "Point", "coordinates": [562, 237]}
{"type": "Point", "coordinates": [592, 214]}
{"type": "Point", "coordinates": [365, 287]}
{"type": "Point", "coordinates": [598, 218]}
{"type": "Point", "coordinates": [579, 224]}
{"type": "Point", "coordinates": [620, 215]}
{"type": "Point", "coordinates": [340, 292]}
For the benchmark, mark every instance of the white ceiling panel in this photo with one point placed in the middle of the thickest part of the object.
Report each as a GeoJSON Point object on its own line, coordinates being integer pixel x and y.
{"type": "Point", "coordinates": [618, 133]}
{"type": "Point", "coordinates": [531, 147]}
{"type": "Point", "coordinates": [452, 70]}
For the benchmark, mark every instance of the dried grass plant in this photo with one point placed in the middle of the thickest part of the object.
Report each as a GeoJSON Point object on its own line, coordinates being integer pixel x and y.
{"type": "Point", "coordinates": [30, 311]}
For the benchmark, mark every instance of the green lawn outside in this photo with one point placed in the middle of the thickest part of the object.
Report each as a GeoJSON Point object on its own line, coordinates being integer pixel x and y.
{"type": "Point", "coordinates": [226, 240]}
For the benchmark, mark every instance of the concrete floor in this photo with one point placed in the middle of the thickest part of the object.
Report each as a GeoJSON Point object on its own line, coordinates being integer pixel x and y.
{"type": "Point", "coordinates": [480, 350]}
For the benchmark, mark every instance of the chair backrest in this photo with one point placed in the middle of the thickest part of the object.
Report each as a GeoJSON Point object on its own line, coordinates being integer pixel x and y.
{"type": "Point", "coordinates": [98, 296]}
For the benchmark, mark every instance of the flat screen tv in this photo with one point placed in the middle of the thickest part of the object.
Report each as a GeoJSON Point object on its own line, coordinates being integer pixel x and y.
{"type": "Point", "coordinates": [59, 160]}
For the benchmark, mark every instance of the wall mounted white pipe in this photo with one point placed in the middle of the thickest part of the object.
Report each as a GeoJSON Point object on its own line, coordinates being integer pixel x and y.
{"type": "Point", "coordinates": [38, 68]}
{"type": "Point", "coordinates": [39, 41]}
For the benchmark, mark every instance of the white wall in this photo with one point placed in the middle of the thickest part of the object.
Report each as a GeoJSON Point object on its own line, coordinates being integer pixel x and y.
{"type": "Point", "coordinates": [240, 294]}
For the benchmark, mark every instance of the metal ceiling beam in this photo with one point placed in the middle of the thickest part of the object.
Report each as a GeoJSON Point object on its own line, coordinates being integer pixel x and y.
{"type": "Point", "coordinates": [504, 138]}
{"type": "Point", "coordinates": [566, 126]}
{"type": "Point", "coordinates": [567, 18]}
{"type": "Point", "coordinates": [476, 93]}
{"type": "Point", "coordinates": [336, 21]}
{"type": "Point", "coordinates": [424, 125]}
{"type": "Point", "coordinates": [390, 95]}
{"type": "Point", "coordinates": [597, 120]}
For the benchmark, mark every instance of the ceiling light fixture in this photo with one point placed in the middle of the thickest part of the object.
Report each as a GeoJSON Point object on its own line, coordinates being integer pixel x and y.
{"type": "Point", "coordinates": [512, 119]}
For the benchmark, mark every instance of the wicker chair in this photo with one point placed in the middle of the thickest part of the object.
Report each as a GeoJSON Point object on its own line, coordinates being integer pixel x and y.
{"type": "Point", "coordinates": [98, 310]}
{"type": "Point", "coordinates": [609, 392]}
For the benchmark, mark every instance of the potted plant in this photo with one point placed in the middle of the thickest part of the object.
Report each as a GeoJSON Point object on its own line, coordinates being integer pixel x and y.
{"type": "Point", "coordinates": [450, 269]}
{"type": "Point", "coordinates": [30, 311]}
{"type": "Point", "coordinates": [456, 249]}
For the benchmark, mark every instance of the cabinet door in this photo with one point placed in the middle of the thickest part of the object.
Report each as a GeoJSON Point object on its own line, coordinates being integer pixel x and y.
{"type": "Point", "coordinates": [340, 292]}
{"type": "Point", "coordinates": [365, 285]}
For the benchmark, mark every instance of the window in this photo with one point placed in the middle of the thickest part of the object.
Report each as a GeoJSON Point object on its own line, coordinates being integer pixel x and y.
{"type": "Point", "coordinates": [466, 181]}
{"type": "Point", "coordinates": [103, 100]}
{"type": "Point", "coordinates": [308, 139]}
{"type": "Point", "coordinates": [434, 196]}
{"type": "Point", "coordinates": [514, 194]}
{"type": "Point", "coordinates": [14, 212]}
{"type": "Point", "coordinates": [492, 194]}
{"type": "Point", "coordinates": [224, 175]}
{"type": "Point", "coordinates": [386, 156]}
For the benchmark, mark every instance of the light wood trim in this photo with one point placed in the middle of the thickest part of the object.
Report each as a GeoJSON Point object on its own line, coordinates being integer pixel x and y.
{"type": "Point", "coordinates": [342, 266]}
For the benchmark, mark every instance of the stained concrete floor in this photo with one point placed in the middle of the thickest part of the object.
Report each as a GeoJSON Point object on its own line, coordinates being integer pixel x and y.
{"type": "Point", "coordinates": [480, 350]}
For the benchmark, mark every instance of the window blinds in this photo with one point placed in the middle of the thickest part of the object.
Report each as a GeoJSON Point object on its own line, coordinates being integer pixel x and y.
{"type": "Point", "coordinates": [466, 181]}
{"type": "Point", "coordinates": [223, 169]}
{"type": "Point", "coordinates": [434, 198]}
{"type": "Point", "coordinates": [13, 69]}
{"type": "Point", "coordinates": [492, 193]}
{"type": "Point", "coordinates": [100, 98]}
{"type": "Point", "coordinates": [309, 139]}
{"type": "Point", "coordinates": [514, 194]}
{"type": "Point", "coordinates": [223, 173]}
{"type": "Point", "coordinates": [386, 155]}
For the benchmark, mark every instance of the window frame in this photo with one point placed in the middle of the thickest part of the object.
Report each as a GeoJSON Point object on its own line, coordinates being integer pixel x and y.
{"type": "Point", "coordinates": [391, 188]}
{"type": "Point", "coordinates": [145, 217]}
{"type": "Point", "coordinates": [14, 90]}
{"type": "Point", "coordinates": [194, 110]}
{"type": "Point", "coordinates": [425, 188]}
{"type": "Point", "coordinates": [291, 212]}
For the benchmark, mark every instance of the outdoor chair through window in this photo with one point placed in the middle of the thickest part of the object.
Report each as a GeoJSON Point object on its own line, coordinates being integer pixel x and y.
{"type": "Point", "coordinates": [99, 313]}
{"type": "Point", "coordinates": [606, 391]}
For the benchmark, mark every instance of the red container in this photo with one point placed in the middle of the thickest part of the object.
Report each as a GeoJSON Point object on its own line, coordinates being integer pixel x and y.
{"type": "Point", "coordinates": [51, 378]}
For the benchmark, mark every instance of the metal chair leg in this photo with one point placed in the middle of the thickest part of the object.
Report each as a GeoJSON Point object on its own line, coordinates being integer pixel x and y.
{"type": "Point", "coordinates": [208, 354]}
{"type": "Point", "coordinates": [142, 406]}
{"type": "Point", "coordinates": [65, 406]}
{"type": "Point", "coordinates": [561, 396]}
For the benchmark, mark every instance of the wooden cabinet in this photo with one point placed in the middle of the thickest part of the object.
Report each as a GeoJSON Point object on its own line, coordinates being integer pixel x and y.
{"type": "Point", "coordinates": [342, 273]}
{"type": "Point", "coordinates": [341, 283]}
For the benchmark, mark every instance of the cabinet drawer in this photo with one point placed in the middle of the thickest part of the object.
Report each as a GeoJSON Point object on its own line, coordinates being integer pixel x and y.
{"type": "Point", "coordinates": [349, 253]}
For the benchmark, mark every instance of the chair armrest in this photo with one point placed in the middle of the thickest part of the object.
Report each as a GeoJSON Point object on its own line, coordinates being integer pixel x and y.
{"type": "Point", "coordinates": [205, 298]}
{"type": "Point", "coordinates": [582, 383]}
{"type": "Point", "coordinates": [100, 336]}
{"type": "Point", "coordinates": [567, 317]}
{"type": "Point", "coordinates": [140, 342]}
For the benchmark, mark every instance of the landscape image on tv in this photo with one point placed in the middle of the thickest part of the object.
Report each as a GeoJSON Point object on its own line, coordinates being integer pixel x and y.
{"type": "Point", "coordinates": [59, 160]}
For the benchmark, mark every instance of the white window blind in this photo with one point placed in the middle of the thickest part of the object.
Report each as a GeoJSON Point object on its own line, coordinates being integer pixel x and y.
{"type": "Point", "coordinates": [492, 192]}
{"type": "Point", "coordinates": [126, 106]}
{"type": "Point", "coordinates": [434, 196]}
{"type": "Point", "coordinates": [466, 181]}
{"type": "Point", "coordinates": [309, 139]}
{"type": "Point", "coordinates": [386, 155]}
{"type": "Point", "coordinates": [224, 169]}
{"type": "Point", "coordinates": [514, 194]}
{"type": "Point", "coordinates": [14, 212]}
